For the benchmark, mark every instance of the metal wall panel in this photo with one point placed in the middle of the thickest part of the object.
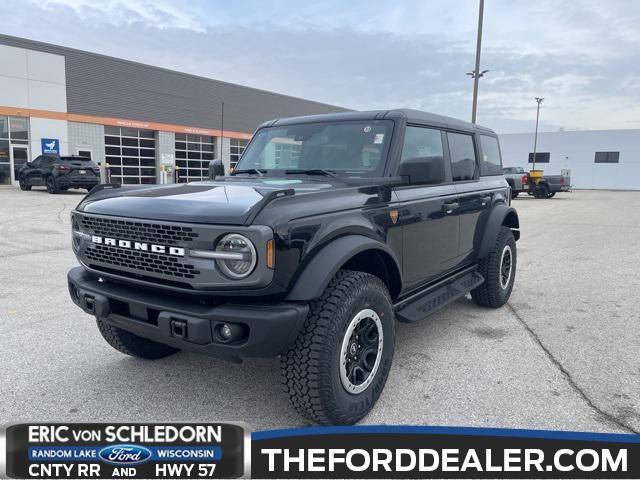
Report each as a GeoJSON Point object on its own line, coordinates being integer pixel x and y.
{"type": "Point", "coordinates": [110, 87]}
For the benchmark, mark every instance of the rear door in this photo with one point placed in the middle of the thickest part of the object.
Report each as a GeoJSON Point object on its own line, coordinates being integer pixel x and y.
{"type": "Point", "coordinates": [466, 172]}
{"type": "Point", "coordinates": [427, 212]}
{"type": "Point", "coordinates": [477, 175]}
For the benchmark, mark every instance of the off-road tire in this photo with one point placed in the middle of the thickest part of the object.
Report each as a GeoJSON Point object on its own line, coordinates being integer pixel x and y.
{"type": "Point", "coordinates": [551, 194]}
{"type": "Point", "coordinates": [542, 191]}
{"type": "Point", "coordinates": [311, 366]}
{"type": "Point", "coordinates": [52, 185]}
{"type": "Point", "coordinates": [24, 186]}
{"type": "Point", "coordinates": [130, 344]}
{"type": "Point", "coordinates": [491, 293]}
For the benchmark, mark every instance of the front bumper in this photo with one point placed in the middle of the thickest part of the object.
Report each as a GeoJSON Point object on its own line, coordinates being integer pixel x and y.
{"type": "Point", "coordinates": [268, 329]}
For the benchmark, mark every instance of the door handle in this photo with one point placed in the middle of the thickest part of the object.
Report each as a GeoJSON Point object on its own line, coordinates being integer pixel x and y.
{"type": "Point", "coordinates": [448, 208]}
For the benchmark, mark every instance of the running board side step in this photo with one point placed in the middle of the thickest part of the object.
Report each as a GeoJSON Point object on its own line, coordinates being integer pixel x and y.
{"type": "Point", "coordinates": [433, 300]}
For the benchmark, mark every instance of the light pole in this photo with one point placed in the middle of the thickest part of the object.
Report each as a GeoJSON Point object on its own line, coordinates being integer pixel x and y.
{"type": "Point", "coordinates": [535, 137]}
{"type": "Point", "coordinates": [476, 73]}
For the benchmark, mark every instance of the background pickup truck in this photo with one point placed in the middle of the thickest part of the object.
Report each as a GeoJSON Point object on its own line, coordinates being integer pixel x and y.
{"type": "Point", "coordinates": [547, 187]}
{"type": "Point", "coordinates": [517, 179]}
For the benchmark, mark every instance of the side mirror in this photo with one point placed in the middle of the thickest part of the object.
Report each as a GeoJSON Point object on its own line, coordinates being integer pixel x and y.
{"type": "Point", "coordinates": [216, 169]}
{"type": "Point", "coordinates": [423, 170]}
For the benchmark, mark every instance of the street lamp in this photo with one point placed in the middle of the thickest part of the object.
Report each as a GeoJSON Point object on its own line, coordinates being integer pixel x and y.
{"type": "Point", "coordinates": [476, 73]}
{"type": "Point", "coordinates": [535, 138]}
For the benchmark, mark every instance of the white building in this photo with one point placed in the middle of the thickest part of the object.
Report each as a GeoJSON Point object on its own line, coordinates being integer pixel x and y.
{"type": "Point", "coordinates": [598, 159]}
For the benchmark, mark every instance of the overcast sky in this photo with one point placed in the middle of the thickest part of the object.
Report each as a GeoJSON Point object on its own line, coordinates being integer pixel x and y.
{"type": "Point", "coordinates": [583, 56]}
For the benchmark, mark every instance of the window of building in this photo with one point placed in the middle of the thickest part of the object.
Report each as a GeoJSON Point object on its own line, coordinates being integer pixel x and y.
{"type": "Point", "coordinates": [491, 163]}
{"type": "Point", "coordinates": [463, 156]}
{"type": "Point", "coordinates": [236, 150]}
{"type": "Point", "coordinates": [607, 157]}
{"type": "Point", "coordinates": [541, 157]}
{"type": "Point", "coordinates": [131, 155]}
{"type": "Point", "coordinates": [286, 155]}
{"type": "Point", "coordinates": [193, 154]}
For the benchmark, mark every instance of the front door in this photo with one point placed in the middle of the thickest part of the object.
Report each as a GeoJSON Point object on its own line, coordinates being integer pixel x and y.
{"type": "Point", "coordinates": [428, 213]}
{"type": "Point", "coordinates": [19, 156]}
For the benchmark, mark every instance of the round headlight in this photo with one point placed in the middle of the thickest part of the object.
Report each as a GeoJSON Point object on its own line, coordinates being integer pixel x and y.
{"type": "Point", "coordinates": [242, 256]}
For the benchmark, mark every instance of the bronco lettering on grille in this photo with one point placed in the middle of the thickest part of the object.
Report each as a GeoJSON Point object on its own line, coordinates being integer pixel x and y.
{"type": "Point", "coordinates": [145, 247]}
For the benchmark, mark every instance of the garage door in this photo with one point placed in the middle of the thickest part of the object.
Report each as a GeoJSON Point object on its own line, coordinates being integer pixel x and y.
{"type": "Point", "coordinates": [193, 154]}
{"type": "Point", "coordinates": [131, 155]}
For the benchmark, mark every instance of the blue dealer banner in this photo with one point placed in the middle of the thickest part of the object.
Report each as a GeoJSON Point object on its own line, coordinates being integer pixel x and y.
{"type": "Point", "coordinates": [50, 146]}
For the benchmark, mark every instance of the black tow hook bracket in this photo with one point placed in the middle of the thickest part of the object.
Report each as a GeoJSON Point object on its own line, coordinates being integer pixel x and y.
{"type": "Point", "coordinates": [179, 329]}
{"type": "Point", "coordinates": [90, 302]}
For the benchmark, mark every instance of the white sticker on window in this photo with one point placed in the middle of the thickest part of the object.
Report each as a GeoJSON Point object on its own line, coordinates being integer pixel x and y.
{"type": "Point", "coordinates": [379, 138]}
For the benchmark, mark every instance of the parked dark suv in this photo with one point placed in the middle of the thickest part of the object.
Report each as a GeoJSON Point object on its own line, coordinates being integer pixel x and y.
{"type": "Point", "coordinates": [59, 173]}
{"type": "Point", "coordinates": [330, 229]}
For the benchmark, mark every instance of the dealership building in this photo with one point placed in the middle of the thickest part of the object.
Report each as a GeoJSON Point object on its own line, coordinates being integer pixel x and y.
{"type": "Point", "coordinates": [136, 121]}
{"type": "Point", "coordinates": [595, 159]}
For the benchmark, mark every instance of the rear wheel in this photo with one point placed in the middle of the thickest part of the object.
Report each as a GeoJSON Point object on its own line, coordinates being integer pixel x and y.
{"type": "Point", "coordinates": [130, 344]}
{"type": "Point", "coordinates": [514, 194]}
{"type": "Point", "coordinates": [499, 272]}
{"type": "Point", "coordinates": [52, 186]}
{"type": "Point", "coordinates": [338, 365]}
{"type": "Point", "coordinates": [551, 195]}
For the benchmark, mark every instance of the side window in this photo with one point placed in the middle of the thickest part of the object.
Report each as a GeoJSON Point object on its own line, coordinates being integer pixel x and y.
{"type": "Point", "coordinates": [423, 154]}
{"type": "Point", "coordinates": [36, 162]}
{"type": "Point", "coordinates": [491, 163]}
{"type": "Point", "coordinates": [463, 156]}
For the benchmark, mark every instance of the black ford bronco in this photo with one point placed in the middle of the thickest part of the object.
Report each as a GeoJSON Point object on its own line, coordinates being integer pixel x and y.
{"type": "Point", "coordinates": [329, 230]}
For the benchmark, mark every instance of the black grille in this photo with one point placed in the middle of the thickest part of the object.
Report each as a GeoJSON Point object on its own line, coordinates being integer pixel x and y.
{"type": "Point", "coordinates": [137, 231]}
{"type": "Point", "coordinates": [142, 261]}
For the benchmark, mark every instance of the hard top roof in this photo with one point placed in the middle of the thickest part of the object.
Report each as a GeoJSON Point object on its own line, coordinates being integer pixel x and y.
{"type": "Point", "coordinates": [412, 116]}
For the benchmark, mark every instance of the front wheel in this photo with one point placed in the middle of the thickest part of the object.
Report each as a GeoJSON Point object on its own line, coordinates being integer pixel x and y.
{"type": "Point", "coordinates": [499, 272]}
{"type": "Point", "coordinates": [23, 184]}
{"type": "Point", "coordinates": [340, 361]}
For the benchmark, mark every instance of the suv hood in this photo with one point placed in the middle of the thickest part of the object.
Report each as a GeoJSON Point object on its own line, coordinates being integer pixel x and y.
{"type": "Point", "coordinates": [229, 201]}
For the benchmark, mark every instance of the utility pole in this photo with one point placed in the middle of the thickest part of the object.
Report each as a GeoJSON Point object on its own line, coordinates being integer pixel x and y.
{"type": "Point", "coordinates": [535, 137]}
{"type": "Point", "coordinates": [476, 74]}
{"type": "Point", "coordinates": [222, 121]}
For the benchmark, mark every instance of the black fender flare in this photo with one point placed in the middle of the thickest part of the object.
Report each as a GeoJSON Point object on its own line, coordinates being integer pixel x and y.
{"type": "Point", "coordinates": [317, 274]}
{"type": "Point", "coordinates": [500, 215]}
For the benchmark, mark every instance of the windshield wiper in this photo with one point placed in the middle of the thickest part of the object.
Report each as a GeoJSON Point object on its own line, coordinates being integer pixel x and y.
{"type": "Point", "coordinates": [260, 172]}
{"type": "Point", "coordinates": [312, 171]}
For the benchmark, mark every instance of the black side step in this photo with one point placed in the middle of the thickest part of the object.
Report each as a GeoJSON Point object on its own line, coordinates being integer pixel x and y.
{"type": "Point", "coordinates": [434, 300]}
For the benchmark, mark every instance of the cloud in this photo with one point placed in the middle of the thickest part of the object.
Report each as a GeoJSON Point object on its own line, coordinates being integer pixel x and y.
{"type": "Point", "coordinates": [581, 56]}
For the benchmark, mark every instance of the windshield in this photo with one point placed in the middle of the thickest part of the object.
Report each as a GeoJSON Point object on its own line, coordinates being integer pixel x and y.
{"type": "Point", "coordinates": [353, 148]}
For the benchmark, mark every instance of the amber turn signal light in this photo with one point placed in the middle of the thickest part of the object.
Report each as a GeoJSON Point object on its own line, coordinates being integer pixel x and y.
{"type": "Point", "coordinates": [271, 254]}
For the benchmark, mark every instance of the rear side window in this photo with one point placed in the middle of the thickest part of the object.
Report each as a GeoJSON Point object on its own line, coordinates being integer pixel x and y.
{"type": "Point", "coordinates": [463, 156]}
{"type": "Point", "coordinates": [491, 163]}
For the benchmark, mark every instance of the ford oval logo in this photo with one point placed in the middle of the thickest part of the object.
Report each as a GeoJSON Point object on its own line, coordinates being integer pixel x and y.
{"type": "Point", "coordinates": [125, 454]}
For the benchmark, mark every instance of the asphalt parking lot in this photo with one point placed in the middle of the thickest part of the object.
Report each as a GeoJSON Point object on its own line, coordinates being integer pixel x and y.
{"type": "Point", "coordinates": [564, 354]}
